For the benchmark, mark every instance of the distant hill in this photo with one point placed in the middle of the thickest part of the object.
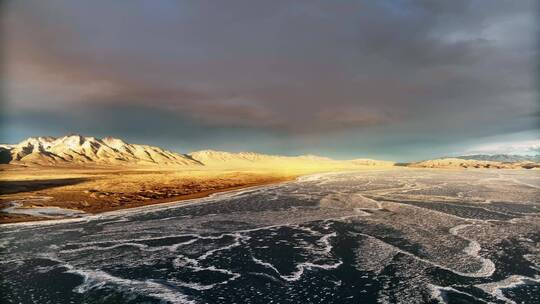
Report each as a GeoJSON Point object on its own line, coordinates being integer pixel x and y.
{"type": "Point", "coordinates": [253, 160]}
{"type": "Point", "coordinates": [77, 150]}
{"type": "Point", "coordinates": [455, 163]}
{"type": "Point", "coordinates": [504, 158]}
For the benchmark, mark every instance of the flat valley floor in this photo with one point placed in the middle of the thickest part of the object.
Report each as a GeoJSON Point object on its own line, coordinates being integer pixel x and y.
{"type": "Point", "coordinates": [376, 236]}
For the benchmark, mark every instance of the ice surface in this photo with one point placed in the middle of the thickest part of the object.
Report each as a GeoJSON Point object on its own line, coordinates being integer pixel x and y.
{"type": "Point", "coordinates": [387, 236]}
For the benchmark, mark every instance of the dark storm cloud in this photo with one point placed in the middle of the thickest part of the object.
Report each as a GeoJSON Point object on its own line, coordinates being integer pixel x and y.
{"type": "Point", "coordinates": [424, 72]}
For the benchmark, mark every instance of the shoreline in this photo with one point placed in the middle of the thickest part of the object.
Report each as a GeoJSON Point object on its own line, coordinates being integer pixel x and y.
{"type": "Point", "coordinates": [181, 199]}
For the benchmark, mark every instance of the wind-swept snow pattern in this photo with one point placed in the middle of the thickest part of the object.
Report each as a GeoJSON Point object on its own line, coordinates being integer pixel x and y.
{"type": "Point", "coordinates": [377, 236]}
{"type": "Point", "coordinates": [48, 212]}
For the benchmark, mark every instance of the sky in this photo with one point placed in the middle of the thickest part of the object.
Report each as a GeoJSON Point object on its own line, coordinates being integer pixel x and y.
{"type": "Point", "coordinates": [398, 80]}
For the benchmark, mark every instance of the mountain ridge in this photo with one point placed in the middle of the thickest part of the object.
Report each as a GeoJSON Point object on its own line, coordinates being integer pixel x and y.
{"type": "Point", "coordinates": [77, 149]}
{"type": "Point", "coordinates": [74, 149]}
{"type": "Point", "coordinates": [505, 158]}
{"type": "Point", "coordinates": [455, 163]}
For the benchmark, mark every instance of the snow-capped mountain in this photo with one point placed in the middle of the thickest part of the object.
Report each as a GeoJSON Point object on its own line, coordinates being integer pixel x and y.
{"type": "Point", "coordinates": [505, 158]}
{"type": "Point", "coordinates": [76, 149]}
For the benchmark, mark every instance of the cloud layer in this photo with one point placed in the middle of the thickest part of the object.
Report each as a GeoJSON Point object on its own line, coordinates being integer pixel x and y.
{"type": "Point", "coordinates": [301, 75]}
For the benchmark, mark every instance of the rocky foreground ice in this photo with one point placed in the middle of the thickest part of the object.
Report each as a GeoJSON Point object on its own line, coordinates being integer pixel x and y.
{"type": "Point", "coordinates": [386, 236]}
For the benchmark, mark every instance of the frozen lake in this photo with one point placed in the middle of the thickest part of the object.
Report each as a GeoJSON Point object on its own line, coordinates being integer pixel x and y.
{"type": "Point", "coordinates": [388, 236]}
